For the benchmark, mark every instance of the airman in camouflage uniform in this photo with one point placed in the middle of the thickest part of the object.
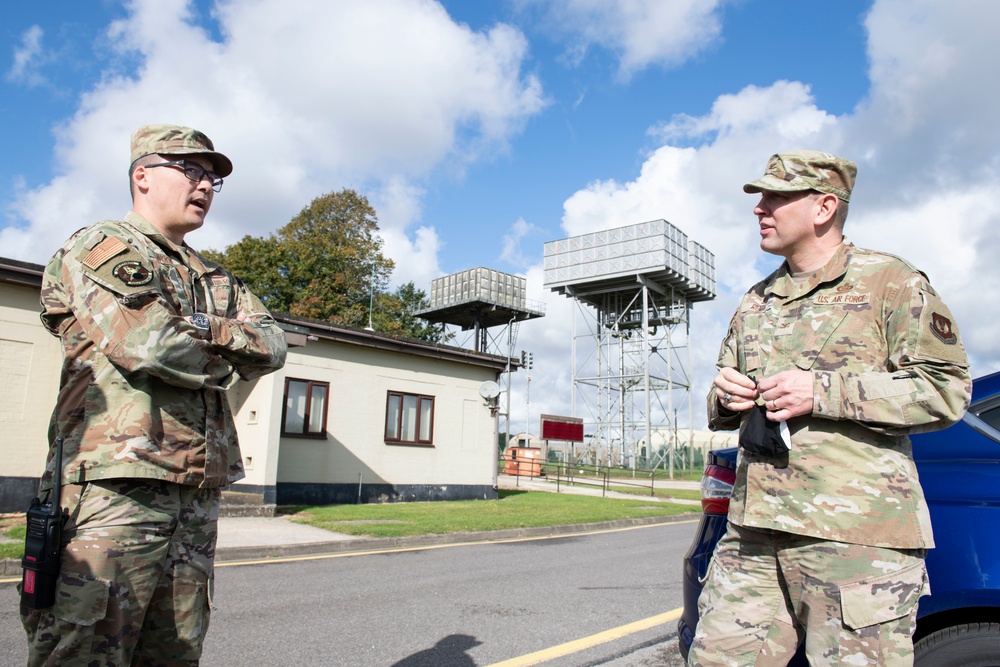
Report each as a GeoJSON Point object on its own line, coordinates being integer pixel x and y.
{"type": "Point", "coordinates": [153, 335]}
{"type": "Point", "coordinates": [852, 349]}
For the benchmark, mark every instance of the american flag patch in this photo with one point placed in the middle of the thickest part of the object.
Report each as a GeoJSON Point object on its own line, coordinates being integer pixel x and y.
{"type": "Point", "coordinates": [104, 251]}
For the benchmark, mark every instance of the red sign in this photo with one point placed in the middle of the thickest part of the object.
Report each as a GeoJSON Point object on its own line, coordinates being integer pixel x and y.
{"type": "Point", "coordinates": [562, 428]}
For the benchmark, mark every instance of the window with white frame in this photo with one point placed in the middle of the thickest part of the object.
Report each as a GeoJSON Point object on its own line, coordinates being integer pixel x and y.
{"type": "Point", "coordinates": [304, 413]}
{"type": "Point", "coordinates": [409, 419]}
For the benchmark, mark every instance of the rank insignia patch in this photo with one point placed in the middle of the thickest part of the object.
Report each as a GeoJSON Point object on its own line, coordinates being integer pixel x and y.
{"type": "Point", "coordinates": [941, 326]}
{"type": "Point", "coordinates": [132, 273]}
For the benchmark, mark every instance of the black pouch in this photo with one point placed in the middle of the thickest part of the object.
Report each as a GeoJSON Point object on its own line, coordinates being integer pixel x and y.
{"type": "Point", "coordinates": [761, 435]}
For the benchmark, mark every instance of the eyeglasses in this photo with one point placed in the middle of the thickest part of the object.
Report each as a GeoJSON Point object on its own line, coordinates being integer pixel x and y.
{"type": "Point", "coordinates": [194, 172]}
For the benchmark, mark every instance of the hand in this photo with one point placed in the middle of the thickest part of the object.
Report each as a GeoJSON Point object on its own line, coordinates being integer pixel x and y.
{"type": "Point", "coordinates": [787, 394]}
{"type": "Point", "coordinates": [734, 390]}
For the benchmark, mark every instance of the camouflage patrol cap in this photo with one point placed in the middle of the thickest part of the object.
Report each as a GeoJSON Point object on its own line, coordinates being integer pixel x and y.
{"type": "Point", "coordinates": [807, 170]}
{"type": "Point", "coordinates": [177, 140]}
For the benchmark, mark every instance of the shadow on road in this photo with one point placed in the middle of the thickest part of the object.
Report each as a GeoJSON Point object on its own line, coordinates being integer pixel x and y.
{"type": "Point", "coordinates": [449, 651]}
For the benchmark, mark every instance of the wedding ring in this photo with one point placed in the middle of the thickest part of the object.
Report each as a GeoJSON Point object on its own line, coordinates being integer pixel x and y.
{"type": "Point", "coordinates": [774, 406]}
{"type": "Point", "coordinates": [727, 397]}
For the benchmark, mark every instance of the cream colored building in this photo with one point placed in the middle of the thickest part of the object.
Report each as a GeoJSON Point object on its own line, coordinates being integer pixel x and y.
{"type": "Point", "coordinates": [30, 359]}
{"type": "Point", "coordinates": [352, 417]}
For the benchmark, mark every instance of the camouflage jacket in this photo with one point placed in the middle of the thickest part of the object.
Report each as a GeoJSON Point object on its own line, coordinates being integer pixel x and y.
{"type": "Point", "coordinates": [886, 360]}
{"type": "Point", "coordinates": [141, 394]}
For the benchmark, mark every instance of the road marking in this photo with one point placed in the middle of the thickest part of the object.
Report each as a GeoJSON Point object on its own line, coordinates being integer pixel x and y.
{"type": "Point", "coordinates": [430, 547]}
{"type": "Point", "coordinates": [562, 650]}
{"type": "Point", "coordinates": [426, 547]}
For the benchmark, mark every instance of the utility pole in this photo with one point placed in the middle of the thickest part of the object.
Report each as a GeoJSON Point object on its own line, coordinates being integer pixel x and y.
{"type": "Point", "coordinates": [371, 300]}
{"type": "Point", "coordinates": [527, 362]}
{"type": "Point", "coordinates": [510, 345]}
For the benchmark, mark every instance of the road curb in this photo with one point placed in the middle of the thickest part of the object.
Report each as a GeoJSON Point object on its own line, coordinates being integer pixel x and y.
{"type": "Point", "coordinates": [233, 554]}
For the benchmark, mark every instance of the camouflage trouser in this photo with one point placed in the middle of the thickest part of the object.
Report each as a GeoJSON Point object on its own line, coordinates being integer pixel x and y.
{"type": "Point", "coordinates": [136, 572]}
{"type": "Point", "coordinates": [766, 592]}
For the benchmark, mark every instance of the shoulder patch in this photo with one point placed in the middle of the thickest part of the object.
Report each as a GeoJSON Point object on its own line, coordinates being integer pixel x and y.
{"type": "Point", "coordinates": [119, 267]}
{"type": "Point", "coordinates": [104, 251]}
{"type": "Point", "coordinates": [942, 328]}
{"type": "Point", "coordinates": [937, 337]}
{"type": "Point", "coordinates": [132, 273]}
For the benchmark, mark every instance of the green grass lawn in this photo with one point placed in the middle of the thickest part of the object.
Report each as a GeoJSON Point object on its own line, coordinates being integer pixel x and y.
{"type": "Point", "coordinates": [14, 529]}
{"type": "Point", "coordinates": [513, 509]}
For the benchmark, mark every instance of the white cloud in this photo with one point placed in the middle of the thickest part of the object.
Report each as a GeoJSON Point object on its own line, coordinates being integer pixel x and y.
{"type": "Point", "coordinates": [28, 59]}
{"type": "Point", "coordinates": [306, 98]}
{"type": "Point", "coordinates": [416, 253]}
{"type": "Point", "coordinates": [640, 32]}
{"type": "Point", "coordinates": [942, 57]}
{"type": "Point", "coordinates": [512, 242]}
{"type": "Point", "coordinates": [783, 111]}
{"type": "Point", "coordinates": [926, 145]}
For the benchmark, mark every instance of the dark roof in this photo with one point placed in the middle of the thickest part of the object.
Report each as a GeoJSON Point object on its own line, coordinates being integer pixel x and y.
{"type": "Point", "coordinates": [30, 275]}
{"type": "Point", "coordinates": [485, 313]}
{"type": "Point", "coordinates": [352, 336]}
{"type": "Point", "coordinates": [20, 273]}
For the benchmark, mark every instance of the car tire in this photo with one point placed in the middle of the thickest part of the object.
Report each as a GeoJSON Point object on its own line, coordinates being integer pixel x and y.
{"type": "Point", "coordinates": [966, 645]}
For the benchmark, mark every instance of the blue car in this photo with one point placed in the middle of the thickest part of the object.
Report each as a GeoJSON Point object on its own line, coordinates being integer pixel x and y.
{"type": "Point", "coordinates": [958, 625]}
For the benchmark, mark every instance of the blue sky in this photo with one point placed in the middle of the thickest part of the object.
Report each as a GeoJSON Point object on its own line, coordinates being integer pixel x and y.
{"type": "Point", "coordinates": [480, 130]}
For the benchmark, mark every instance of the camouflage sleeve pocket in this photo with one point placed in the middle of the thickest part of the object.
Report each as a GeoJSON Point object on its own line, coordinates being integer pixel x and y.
{"type": "Point", "coordinates": [877, 386]}
{"type": "Point", "coordinates": [884, 598]}
{"type": "Point", "coordinates": [82, 599]}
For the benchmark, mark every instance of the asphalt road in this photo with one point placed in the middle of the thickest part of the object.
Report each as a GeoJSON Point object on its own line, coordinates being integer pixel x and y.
{"type": "Point", "coordinates": [536, 601]}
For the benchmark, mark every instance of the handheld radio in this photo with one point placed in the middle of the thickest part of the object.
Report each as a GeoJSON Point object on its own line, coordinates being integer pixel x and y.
{"type": "Point", "coordinates": [43, 544]}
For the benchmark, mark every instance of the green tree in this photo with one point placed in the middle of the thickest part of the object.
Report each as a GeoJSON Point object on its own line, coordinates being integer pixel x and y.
{"type": "Point", "coordinates": [394, 314]}
{"type": "Point", "coordinates": [325, 264]}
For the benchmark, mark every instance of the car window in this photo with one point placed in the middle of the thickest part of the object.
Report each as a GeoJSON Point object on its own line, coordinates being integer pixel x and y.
{"type": "Point", "coordinates": [991, 416]}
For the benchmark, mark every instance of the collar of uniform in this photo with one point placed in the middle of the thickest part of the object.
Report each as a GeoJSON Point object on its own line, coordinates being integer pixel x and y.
{"type": "Point", "coordinates": [185, 253]}
{"type": "Point", "coordinates": [199, 264]}
{"type": "Point", "coordinates": [784, 286]}
{"type": "Point", "coordinates": [147, 229]}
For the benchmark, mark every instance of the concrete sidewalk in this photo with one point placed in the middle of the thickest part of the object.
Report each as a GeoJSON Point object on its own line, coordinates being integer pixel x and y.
{"type": "Point", "coordinates": [259, 537]}
{"type": "Point", "coordinates": [592, 487]}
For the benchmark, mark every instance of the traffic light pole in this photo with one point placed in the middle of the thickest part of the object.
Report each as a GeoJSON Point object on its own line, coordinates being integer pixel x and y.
{"type": "Point", "coordinates": [510, 350]}
{"type": "Point", "coordinates": [527, 362]}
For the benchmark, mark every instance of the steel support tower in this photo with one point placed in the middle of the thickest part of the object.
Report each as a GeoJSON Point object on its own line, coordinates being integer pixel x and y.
{"type": "Point", "coordinates": [633, 289]}
{"type": "Point", "coordinates": [480, 300]}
